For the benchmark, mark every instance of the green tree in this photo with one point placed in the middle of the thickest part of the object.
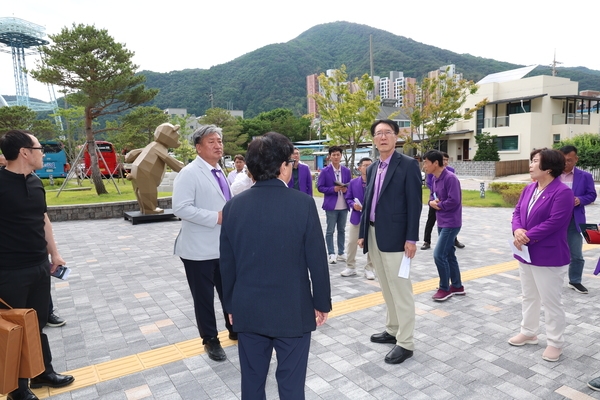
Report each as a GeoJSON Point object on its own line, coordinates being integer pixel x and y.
{"type": "Point", "coordinates": [588, 149]}
{"type": "Point", "coordinates": [233, 138]}
{"type": "Point", "coordinates": [345, 111]}
{"type": "Point", "coordinates": [434, 106]}
{"type": "Point", "coordinates": [136, 129]}
{"type": "Point", "coordinates": [185, 152]}
{"type": "Point", "coordinates": [99, 71]}
{"type": "Point", "coordinates": [284, 121]}
{"type": "Point", "coordinates": [22, 117]}
{"type": "Point", "coordinates": [487, 147]}
{"type": "Point", "coordinates": [74, 131]}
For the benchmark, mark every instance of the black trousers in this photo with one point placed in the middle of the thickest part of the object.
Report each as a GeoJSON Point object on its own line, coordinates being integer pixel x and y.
{"type": "Point", "coordinates": [292, 360]}
{"type": "Point", "coordinates": [431, 217]}
{"type": "Point", "coordinates": [203, 278]}
{"type": "Point", "coordinates": [30, 288]}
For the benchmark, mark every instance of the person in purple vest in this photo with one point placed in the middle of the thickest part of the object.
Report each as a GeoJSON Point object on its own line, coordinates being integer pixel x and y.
{"type": "Point", "coordinates": [301, 176]}
{"type": "Point", "coordinates": [431, 216]}
{"type": "Point", "coordinates": [540, 222]}
{"type": "Point", "coordinates": [355, 197]}
{"type": "Point", "coordinates": [333, 182]}
{"type": "Point", "coordinates": [584, 193]}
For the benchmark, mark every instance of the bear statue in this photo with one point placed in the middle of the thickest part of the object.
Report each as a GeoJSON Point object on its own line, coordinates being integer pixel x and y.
{"type": "Point", "coordinates": [149, 166]}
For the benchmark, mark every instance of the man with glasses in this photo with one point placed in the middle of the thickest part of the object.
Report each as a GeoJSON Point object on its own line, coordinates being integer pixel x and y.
{"type": "Point", "coordinates": [200, 191]}
{"type": "Point", "coordinates": [584, 193]}
{"type": "Point", "coordinates": [333, 183]}
{"type": "Point", "coordinates": [389, 229]}
{"type": "Point", "coordinates": [26, 240]}
{"type": "Point", "coordinates": [301, 177]}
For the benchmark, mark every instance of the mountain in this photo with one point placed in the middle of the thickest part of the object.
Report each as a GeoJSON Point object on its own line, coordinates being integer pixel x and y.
{"type": "Point", "coordinates": [275, 75]}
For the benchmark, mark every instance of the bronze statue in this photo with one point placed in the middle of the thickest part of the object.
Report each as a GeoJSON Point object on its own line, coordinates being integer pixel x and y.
{"type": "Point", "coordinates": [149, 166]}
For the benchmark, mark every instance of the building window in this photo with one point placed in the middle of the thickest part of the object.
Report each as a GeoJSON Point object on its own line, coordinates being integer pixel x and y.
{"type": "Point", "coordinates": [556, 138]}
{"type": "Point", "coordinates": [519, 108]}
{"type": "Point", "coordinates": [480, 120]}
{"type": "Point", "coordinates": [506, 143]}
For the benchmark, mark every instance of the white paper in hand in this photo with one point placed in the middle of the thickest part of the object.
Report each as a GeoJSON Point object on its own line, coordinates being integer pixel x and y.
{"type": "Point", "coordinates": [523, 253]}
{"type": "Point", "coordinates": [404, 271]}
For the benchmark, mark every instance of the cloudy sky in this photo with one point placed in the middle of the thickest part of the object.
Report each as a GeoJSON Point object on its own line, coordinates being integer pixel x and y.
{"type": "Point", "coordinates": [180, 34]}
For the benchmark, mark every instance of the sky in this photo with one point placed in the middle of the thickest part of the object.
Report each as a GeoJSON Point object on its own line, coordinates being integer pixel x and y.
{"type": "Point", "coordinates": [182, 34]}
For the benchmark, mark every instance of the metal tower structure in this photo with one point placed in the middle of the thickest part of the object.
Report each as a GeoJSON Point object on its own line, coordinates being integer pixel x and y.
{"type": "Point", "coordinates": [23, 38]}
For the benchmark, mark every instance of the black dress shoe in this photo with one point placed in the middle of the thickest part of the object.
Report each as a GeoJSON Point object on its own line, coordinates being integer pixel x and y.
{"type": "Point", "coordinates": [214, 350]}
{"type": "Point", "coordinates": [398, 355]}
{"type": "Point", "coordinates": [426, 246]}
{"type": "Point", "coordinates": [458, 244]}
{"type": "Point", "coordinates": [232, 335]}
{"type": "Point", "coordinates": [20, 394]}
{"type": "Point", "coordinates": [383, 338]}
{"type": "Point", "coordinates": [51, 379]}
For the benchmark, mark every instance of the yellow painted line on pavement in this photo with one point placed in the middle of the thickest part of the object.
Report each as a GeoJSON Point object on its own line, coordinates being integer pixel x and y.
{"type": "Point", "coordinates": [124, 366]}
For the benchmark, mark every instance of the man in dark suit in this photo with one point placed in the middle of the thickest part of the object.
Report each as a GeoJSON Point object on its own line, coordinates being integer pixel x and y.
{"type": "Point", "coordinates": [271, 239]}
{"type": "Point", "coordinates": [301, 177]}
{"type": "Point", "coordinates": [389, 231]}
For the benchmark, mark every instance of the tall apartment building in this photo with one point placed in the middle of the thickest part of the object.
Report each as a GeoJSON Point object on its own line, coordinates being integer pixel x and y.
{"type": "Point", "coordinates": [312, 87]}
{"type": "Point", "coordinates": [449, 70]}
{"type": "Point", "coordinates": [393, 87]}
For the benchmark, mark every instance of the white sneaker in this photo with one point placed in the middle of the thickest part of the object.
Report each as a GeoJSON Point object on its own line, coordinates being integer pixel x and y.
{"type": "Point", "coordinates": [369, 275]}
{"type": "Point", "coordinates": [348, 272]}
{"type": "Point", "coordinates": [332, 259]}
{"type": "Point", "coordinates": [341, 257]}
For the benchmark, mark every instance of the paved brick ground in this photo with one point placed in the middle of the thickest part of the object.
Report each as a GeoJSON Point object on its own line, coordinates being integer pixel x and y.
{"type": "Point", "coordinates": [128, 294]}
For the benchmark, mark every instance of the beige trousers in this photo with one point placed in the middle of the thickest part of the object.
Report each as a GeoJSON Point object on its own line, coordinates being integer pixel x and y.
{"type": "Point", "coordinates": [543, 286]}
{"type": "Point", "coordinates": [397, 293]}
{"type": "Point", "coordinates": [352, 247]}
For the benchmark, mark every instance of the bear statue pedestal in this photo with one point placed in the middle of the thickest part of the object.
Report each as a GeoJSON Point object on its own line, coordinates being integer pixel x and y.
{"type": "Point", "coordinates": [136, 217]}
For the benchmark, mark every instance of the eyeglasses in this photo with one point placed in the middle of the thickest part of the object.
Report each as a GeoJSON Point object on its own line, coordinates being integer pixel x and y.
{"type": "Point", "coordinates": [292, 161]}
{"type": "Point", "coordinates": [384, 133]}
{"type": "Point", "coordinates": [36, 148]}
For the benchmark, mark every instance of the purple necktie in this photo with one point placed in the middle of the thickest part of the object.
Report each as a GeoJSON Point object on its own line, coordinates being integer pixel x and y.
{"type": "Point", "coordinates": [222, 183]}
{"type": "Point", "coordinates": [377, 188]}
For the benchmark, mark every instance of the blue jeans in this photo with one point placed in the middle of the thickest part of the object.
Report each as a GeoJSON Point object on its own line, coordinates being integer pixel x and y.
{"type": "Point", "coordinates": [336, 217]}
{"type": "Point", "coordinates": [575, 241]}
{"type": "Point", "coordinates": [445, 259]}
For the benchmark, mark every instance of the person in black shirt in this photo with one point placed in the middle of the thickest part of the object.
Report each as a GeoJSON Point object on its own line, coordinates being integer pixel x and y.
{"type": "Point", "coordinates": [26, 240]}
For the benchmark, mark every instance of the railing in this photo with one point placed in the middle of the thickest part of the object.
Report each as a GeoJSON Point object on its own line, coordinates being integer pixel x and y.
{"type": "Point", "coordinates": [595, 173]}
{"type": "Point", "coordinates": [571, 119]}
{"type": "Point", "coordinates": [499, 122]}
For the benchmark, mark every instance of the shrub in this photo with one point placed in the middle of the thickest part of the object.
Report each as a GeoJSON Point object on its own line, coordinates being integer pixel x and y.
{"type": "Point", "coordinates": [510, 192]}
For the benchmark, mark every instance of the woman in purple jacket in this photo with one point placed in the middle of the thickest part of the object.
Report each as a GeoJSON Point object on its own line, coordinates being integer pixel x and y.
{"type": "Point", "coordinates": [540, 222]}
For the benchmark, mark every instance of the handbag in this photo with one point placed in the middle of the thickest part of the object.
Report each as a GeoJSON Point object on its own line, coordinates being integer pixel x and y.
{"type": "Point", "coordinates": [11, 336]}
{"type": "Point", "coordinates": [32, 361]}
{"type": "Point", "coordinates": [590, 233]}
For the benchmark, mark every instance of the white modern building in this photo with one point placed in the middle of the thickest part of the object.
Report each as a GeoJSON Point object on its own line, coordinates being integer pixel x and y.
{"type": "Point", "coordinates": [524, 114]}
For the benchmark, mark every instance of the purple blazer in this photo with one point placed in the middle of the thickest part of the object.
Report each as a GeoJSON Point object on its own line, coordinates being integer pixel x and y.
{"type": "Point", "coordinates": [356, 190]}
{"type": "Point", "coordinates": [584, 189]}
{"type": "Point", "coordinates": [325, 185]}
{"type": "Point", "coordinates": [304, 180]}
{"type": "Point", "coordinates": [547, 223]}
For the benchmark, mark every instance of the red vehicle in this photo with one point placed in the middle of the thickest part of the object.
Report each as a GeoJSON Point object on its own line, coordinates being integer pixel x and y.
{"type": "Point", "coordinates": [107, 150]}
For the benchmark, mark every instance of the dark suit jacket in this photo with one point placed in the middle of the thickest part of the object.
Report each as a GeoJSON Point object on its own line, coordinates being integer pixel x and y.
{"type": "Point", "coordinates": [271, 238]}
{"type": "Point", "coordinates": [546, 224]}
{"type": "Point", "coordinates": [399, 205]}
{"type": "Point", "coordinates": [304, 180]}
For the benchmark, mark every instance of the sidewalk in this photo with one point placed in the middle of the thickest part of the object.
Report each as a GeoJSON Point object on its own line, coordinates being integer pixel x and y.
{"type": "Point", "coordinates": [127, 298]}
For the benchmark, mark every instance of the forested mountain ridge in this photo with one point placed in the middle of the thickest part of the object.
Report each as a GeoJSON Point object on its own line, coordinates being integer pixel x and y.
{"type": "Point", "coordinates": [275, 75]}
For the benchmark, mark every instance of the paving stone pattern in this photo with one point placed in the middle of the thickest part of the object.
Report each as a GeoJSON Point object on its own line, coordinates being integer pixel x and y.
{"type": "Point", "coordinates": [128, 294]}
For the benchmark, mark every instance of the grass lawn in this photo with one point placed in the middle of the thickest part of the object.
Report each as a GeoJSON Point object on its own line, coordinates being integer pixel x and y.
{"type": "Point", "coordinates": [470, 197]}
{"type": "Point", "coordinates": [68, 197]}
